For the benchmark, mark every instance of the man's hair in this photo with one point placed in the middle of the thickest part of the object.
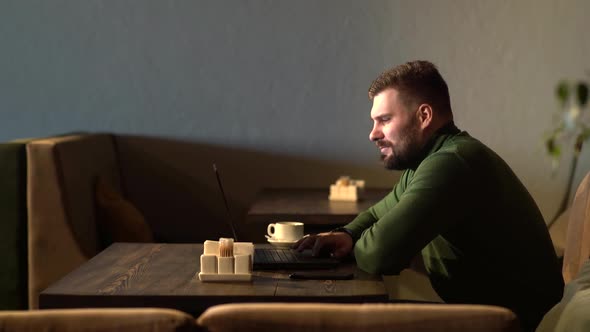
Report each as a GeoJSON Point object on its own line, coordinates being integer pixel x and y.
{"type": "Point", "coordinates": [417, 82]}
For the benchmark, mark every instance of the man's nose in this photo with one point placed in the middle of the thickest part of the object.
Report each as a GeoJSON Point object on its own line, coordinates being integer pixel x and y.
{"type": "Point", "coordinates": [375, 134]}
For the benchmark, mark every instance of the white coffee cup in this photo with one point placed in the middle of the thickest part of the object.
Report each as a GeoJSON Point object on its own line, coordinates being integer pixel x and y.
{"type": "Point", "coordinates": [285, 230]}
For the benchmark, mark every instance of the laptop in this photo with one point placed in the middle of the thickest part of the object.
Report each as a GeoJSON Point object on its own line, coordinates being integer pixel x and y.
{"type": "Point", "coordinates": [289, 259]}
{"type": "Point", "coordinates": [279, 258]}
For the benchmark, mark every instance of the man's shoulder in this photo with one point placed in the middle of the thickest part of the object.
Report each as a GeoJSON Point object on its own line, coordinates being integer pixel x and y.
{"type": "Point", "coordinates": [461, 141]}
{"type": "Point", "coordinates": [459, 151]}
{"type": "Point", "coordinates": [465, 147]}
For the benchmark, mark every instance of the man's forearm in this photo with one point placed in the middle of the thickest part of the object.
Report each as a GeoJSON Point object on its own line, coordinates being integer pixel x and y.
{"type": "Point", "coordinates": [363, 221]}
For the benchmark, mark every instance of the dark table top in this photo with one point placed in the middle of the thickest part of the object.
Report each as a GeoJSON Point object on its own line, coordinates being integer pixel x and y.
{"type": "Point", "coordinates": [164, 275]}
{"type": "Point", "coordinates": [310, 206]}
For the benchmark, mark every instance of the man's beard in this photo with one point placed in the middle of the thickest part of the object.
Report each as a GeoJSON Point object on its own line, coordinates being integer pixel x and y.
{"type": "Point", "coordinates": [407, 153]}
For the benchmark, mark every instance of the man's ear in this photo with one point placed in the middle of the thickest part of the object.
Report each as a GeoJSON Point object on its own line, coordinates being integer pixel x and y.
{"type": "Point", "coordinates": [424, 115]}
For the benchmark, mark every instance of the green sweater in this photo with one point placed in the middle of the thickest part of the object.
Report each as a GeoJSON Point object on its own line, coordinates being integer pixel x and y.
{"type": "Point", "coordinates": [481, 235]}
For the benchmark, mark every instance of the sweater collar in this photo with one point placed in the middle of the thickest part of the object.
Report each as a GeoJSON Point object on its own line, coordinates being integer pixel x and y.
{"type": "Point", "coordinates": [437, 140]}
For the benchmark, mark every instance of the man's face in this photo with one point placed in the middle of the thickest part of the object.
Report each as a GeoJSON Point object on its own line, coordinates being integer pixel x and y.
{"type": "Point", "coordinates": [396, 131]}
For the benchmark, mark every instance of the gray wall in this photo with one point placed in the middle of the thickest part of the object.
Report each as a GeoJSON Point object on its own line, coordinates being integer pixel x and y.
{"type": "Point", "coordinates": [288, 77]}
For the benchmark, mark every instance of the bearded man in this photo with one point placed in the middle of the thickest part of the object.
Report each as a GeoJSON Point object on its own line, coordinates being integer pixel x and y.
{"type": "Point", "coordinates": [457, 205]}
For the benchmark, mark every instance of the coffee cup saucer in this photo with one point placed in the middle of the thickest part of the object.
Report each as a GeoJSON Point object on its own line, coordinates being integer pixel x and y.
{"type": "Point", "coordinates": [281, 243]}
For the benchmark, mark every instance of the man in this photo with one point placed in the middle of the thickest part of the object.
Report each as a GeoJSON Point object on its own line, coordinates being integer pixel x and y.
{"type": "Point", "coordinates": [458, 204]}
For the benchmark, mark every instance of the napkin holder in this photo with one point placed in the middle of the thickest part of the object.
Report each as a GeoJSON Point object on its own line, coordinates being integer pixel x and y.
{"type": "Point", "coordinates": [347, 189]}
{"type": "Point", "coordinates": [237, 267]}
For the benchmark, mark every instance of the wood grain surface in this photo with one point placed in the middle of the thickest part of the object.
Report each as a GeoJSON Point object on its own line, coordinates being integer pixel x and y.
{"type": "Point", "coordinates": [310, 206]}
{"type": "Point", "coordinates": [164, 275]}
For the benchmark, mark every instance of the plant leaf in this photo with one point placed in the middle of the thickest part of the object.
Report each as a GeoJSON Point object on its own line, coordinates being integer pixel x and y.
{"type": "Point", "coordinates": [552, 148]}
{"type": "Point", "coordinates": [582, 93]}
{"type": "Point", "coordinates": [562, 92]}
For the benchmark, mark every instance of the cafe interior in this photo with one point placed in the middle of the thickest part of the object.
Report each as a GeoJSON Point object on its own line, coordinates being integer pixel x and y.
{"type": "Point", "coordinates": [133, 132]}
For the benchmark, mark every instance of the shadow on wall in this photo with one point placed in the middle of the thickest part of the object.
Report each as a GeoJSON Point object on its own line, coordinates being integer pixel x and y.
{"type": "Point", "coordinates": [173, 182]}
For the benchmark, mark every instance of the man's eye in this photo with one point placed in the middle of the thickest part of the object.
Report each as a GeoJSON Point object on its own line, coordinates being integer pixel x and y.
{"type": "Point", "coordinates": [385, 119]}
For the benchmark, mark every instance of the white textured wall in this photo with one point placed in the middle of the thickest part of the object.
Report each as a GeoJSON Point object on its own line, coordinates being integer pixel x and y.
{"type": "Point", "coordinates": [502, 60]}
{"type": "Point", "coordinates": [287, 76]}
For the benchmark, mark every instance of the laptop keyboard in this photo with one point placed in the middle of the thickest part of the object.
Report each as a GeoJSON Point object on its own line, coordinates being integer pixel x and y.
{"type": "Point", "coordinates": [265, 256]}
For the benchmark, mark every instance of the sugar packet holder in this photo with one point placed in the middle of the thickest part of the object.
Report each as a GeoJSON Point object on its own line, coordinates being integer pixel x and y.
{"type": "Point", "coordinates": [225, 260]}
{"type": "Point", "coordinates": [347, 189]}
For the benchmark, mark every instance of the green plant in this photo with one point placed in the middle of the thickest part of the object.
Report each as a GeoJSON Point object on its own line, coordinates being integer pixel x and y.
{"type": "Point", "coordinates": [573, 127]}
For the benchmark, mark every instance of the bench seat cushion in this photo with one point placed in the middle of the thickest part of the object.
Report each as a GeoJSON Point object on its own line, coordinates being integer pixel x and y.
{"type": "Point", "coordinates": [13, 225]}
{"type": "Point", "coordinates": [62, 230]}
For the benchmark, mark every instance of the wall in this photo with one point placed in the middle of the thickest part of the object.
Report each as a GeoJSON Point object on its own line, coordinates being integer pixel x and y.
{"type": "Point", "coordinates": [288, 77]}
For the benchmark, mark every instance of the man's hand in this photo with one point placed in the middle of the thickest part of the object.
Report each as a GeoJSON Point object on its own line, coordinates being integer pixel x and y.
{"type": "Point", "coordinates": [339, 244]}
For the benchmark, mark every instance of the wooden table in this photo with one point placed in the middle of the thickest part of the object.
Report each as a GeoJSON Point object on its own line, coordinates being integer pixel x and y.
{"type": "Point", "coordinates": [163, 275]}
{"type": "Point", "coordinates": [310, 206]}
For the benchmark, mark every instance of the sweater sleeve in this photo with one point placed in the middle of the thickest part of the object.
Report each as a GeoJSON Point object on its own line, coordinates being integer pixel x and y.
{"type": "Point", "coordinates": [434, 200]}
{"type": "Point", "coordinates": [367, 218]}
